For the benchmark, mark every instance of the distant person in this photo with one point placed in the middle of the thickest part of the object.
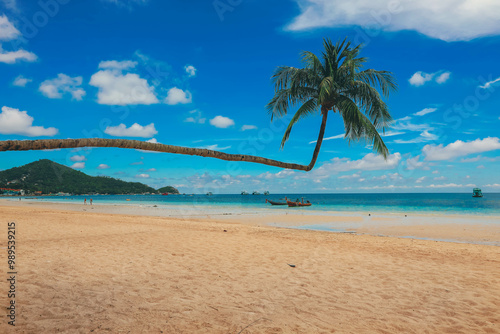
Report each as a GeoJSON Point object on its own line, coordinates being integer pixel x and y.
{"type": "Point", "coordinates": [85, 201]}
{"type": "Point", "coordinates": [91, 201]}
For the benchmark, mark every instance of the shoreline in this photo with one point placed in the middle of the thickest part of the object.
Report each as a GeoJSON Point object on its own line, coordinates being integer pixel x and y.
{"type": "Point", "coordinates": [472, 229]}
{"type": "Point", "coordinates": [103, 272]}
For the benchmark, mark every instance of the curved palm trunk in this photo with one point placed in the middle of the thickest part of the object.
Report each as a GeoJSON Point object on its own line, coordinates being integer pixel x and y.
{"type": "Point", "coordinates": [321, 134]}
{"type": "Point", "coordinates": [50, 144]}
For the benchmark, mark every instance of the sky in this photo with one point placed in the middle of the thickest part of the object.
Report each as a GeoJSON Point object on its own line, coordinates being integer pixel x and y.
{"type": "Point", "coordinates": [198, 74]}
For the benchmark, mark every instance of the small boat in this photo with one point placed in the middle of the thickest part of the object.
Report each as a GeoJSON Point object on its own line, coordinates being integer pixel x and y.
{"type": "Point", "coordinates": [209, 193]}
{"type": "Point", "coordinates": [297, 203]}
{"type": "Point", "coordinates": [244, 193]}
{"type": "Point", "coordinates": [477, 192]}
{"type": "Point", "coordinates": [165, 194]}
{"type": "Point", "coordinates": [275, 203]}
{"type": "Point", "coordinates": [255, 193]}
{"type": "Point", "coordinates": [266, 192]}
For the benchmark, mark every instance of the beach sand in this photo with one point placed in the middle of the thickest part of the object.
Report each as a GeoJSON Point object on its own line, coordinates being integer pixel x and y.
{"type": "Point", "coordinates": [84, 271]}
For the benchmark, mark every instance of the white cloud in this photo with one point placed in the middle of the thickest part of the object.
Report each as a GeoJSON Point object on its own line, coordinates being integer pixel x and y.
{"type": "Point", "coordinates": [142, 176]}
{"type": "Point", "coordinates": [103, 166]}
{"type": "Point", "coordinates": [475, 159]}
{"type": "Point", "coordinates": [7, 33]}
{"type": "Point", "coordinates": [424, 136]}
{"type": "Point", "coordinates": [13, 56]}
{"type": "Point", "coordinates": [190, 70]}
{"type": "Point", "coordinates": [116, 88]}
{"type": "Point", "coordinates": [78, 158]}
{"type": "Point", "coordinates": [420, 179]}
{"type": "Point", "coordinates": [14, 121]}
{"type": "Point", "coordinates": [78, 165]}
{"type": "Point", "coordinates": [178, 96]}
{"type": "Point", "coordinates": [489, 84]}
{"type": "Point", "coordinates": [450, 20]}
{"type": "Point", "coordinates": [151, 170]}
{"type": "Point", "coordinates": [460, 148]}
{"type": "Point", "coordinates": [21, 81]}
{"type": "Point", "coordinates": [7, 30]}
{"type": "Point", "coordinates": [391, 133]}
{"type": "Point", "coordinates": [425, 111]}
{"type": "Point", "coordinates": [353, 176]}
{"type": "Point", "coordinates": [221, 122]}
{"type": "Point", "coordinates": [443, 77]}
{"type": "Point", "coordinates": [216, 147]}
{"type": "Point", "coordinates": [420, 78]}
{"type": "Point", "coordinates": [117, 65]}
{"type": "Point", "coordinates": [415, 163]}
{"type": "Point", "coordinates": [440, 178]}
{"type": "Point", "coordinates": [135, 130]}
{"type": "Point", "coordinates": [329, 138]}
{"type": "Point", "coordinates": [55, 88]}
{"type": "Point", "coordinates": [152, 140]}
{"type": "Point", "coordinates": [248, 127]}
{"type": "Point", "coordinates": [196, 118]}
{"type": "Point", "coordinates": [370, 161]}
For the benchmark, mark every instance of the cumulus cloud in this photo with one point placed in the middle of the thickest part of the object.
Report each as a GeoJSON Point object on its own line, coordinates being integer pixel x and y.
{"type": "Point", "coordinates": [142, 176]}
{"type": "Point", "coordinates": [221, 122]}
{"type": "Point", "coordinates": [21, 81]}
{"type": "Point", "coordinates": [78, 158]}
{"type": "Point", "coordinates": [13, 56]}
{"type": "Point", "coordinates": [190, 70]}
{"type": "Point", "coordinates": [103, 166]}
{"type": "Point", "coordinates": [460, 148]}
{"type": "Point", "coordinates": [117, 88]}
{"type": "Point", "coordinates": [14, 121]}
{"type": "Point", "coordinates": [451, 20]}
{"type": "Point", "coordinates": [63, 84]}
{"type": "Point", "coordinates": [135, 130]}
{"type": "Point", "coordinates": [78, 165]}
{"type": "Point", "coordinates": [7, 30]}
{"type": "Point", "coordinates": [420, 78]}
{"type": "Point", "coordinates": [443, 77]}
{"type": "Point", "coordinates": [248, 127]}
{"type": "Point", "coordinates": [370, 161]}
{"type": "Point", "coordinates": [178, 96]}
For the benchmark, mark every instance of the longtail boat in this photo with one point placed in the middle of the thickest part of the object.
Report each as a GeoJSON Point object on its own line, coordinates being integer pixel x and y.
{"type": "Point", "coordinates": [274, 202]}
{"type": "Point", "coordinates": [297, 203]}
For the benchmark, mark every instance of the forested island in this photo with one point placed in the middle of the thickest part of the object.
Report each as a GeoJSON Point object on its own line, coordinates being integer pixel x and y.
{"type": "Point", "coordinates": [48, 177]}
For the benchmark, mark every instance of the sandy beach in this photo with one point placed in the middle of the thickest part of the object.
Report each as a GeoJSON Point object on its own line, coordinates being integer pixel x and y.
{"type": "Point", "coordinates": [103, 272]}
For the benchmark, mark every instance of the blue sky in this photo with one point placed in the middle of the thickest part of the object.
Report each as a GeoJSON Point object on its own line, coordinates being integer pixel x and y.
{"type": "Point", "coordinates": [197, 74]}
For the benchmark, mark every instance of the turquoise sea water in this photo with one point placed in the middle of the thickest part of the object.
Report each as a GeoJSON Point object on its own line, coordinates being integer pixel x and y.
{"type": "Point", "coordinates": [445, 203]}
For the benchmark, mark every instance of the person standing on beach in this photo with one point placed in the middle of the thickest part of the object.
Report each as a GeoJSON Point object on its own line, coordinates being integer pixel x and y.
{"type": "Point", "coordinates": [91, 201]}
{"type": "Point", "coordinates": [85, 201]}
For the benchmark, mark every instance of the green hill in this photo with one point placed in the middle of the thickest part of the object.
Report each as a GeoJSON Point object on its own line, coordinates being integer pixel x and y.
{"type": "Point", "coordinates": [168, 190]}
{"type": "Point", "coordinates": [50, 177]}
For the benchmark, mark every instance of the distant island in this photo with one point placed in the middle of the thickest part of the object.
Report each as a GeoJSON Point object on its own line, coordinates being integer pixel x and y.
{"type": "Point", "coordinates": [48, 177]}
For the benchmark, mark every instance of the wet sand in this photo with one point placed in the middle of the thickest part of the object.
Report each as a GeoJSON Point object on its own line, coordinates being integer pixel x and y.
{"type": "Point", "coordinates": [86, 271]}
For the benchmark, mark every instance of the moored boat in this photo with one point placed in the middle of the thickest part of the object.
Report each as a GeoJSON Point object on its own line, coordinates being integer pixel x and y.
{"type": "Point", "coordinates": [298, 203]}
{"type": "Point", "coordinates": [477, 192]}
{"type": "Point", "coordinates": [275, 203]}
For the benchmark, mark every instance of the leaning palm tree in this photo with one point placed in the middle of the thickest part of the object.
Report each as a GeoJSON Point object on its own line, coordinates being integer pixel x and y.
{"type": "Point", "coordinates": [335, 82]}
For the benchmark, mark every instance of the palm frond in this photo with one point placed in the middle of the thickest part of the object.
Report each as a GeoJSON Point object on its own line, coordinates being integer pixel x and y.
{"type": "Point", "coordinates": [359, 127]}
{"type": "Point", "coordinates": [307, 109]}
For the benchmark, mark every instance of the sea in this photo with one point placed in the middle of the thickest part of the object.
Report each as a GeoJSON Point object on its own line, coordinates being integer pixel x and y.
{"type": "Point", "coordinates": [426, 203]}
